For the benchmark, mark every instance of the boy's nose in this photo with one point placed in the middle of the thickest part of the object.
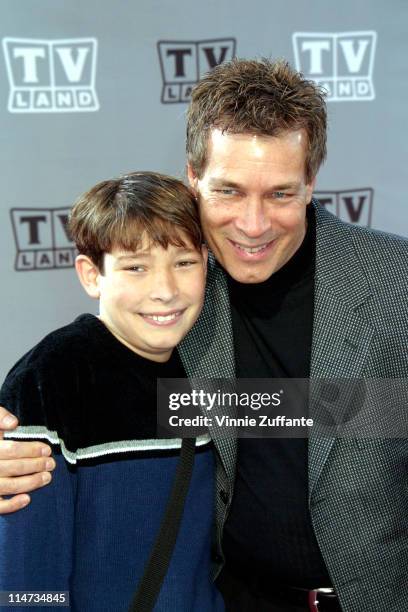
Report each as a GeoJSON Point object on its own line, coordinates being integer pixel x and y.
{"type": "Point", "coordinates": [164, 287]}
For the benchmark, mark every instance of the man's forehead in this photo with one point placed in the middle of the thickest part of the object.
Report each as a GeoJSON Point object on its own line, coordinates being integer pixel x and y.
{"type": "Point", "coordinates": [230, 154]}
{"type": "Point", "coordinates": [219, 138]}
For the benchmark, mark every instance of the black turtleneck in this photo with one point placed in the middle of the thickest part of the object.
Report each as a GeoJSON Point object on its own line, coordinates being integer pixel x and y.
{"type": "Point", "coordinates": [269, 530]}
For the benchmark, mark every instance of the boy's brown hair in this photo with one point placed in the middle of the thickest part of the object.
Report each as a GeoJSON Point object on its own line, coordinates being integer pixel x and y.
{"type": "Point", "coordinates": [261, 97]}
{"type": "Point", "coordinates": [117, 213]}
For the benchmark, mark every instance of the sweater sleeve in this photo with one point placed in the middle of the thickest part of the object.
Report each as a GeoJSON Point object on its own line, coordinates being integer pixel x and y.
{"type": "Point", "coordinates": [36, 543]}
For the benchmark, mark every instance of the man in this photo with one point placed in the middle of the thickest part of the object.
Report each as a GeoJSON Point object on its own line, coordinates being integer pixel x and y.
{"type": "Point", "coordinates": [295, 293]}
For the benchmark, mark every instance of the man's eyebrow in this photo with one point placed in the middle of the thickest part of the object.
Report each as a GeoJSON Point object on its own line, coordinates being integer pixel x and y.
{"type": "Point", "coordinates": [220, 182]}
{"type": "Point", "coordinates": [285, 186]}
{"type": "Point", "coordinates": [225, 183]}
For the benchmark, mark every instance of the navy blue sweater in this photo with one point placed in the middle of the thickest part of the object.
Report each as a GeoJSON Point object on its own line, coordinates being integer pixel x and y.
{"type": "Point", "coordinates": [91, 530]}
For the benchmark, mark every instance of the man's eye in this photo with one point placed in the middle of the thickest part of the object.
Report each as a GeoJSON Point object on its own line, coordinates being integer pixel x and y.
{"type": "Point", "coordinates": [281, 195]}
{"type": "Point", "coordinates": [226, 191]}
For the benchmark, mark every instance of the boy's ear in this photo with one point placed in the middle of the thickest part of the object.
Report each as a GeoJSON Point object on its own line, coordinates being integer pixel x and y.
{"type": "Point", "coordinates": [88, 274]}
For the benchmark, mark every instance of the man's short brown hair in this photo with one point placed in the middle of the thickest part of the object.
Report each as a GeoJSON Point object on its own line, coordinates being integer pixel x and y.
{"type": "Point", "coordinates": [119, 212]}
{"type": "Point", "coordinates": [261, 97]}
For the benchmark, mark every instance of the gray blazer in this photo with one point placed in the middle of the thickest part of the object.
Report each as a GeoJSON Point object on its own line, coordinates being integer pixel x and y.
{"type": "Point", "coordinates": [358, 489]}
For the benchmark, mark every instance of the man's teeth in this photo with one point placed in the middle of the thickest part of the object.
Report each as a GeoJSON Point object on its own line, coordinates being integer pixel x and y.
{"type": "Point", "coordinates": [162, 318]}
{"type": "Point", "coordinates": [251, 250]}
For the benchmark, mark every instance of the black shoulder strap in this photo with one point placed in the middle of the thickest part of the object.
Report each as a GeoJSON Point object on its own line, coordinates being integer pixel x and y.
{"type": "Point", "coordinates": [160, 556]}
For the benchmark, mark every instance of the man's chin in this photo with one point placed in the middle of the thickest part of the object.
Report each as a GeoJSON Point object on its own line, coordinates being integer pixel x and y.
{"type": "Point", "coordinates": [249, 276]}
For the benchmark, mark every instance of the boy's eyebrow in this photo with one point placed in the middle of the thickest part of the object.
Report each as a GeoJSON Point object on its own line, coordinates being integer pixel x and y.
{"type": "Point", "coordinates": [146, 253]}
{"type": "Point", "coordinates": [187, 250]}
{"type": "Point", "coordinates": [137, 255]}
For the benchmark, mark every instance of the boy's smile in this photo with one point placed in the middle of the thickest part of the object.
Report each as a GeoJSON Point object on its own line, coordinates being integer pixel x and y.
{"type": "Point", "coordinates": [163, 318]}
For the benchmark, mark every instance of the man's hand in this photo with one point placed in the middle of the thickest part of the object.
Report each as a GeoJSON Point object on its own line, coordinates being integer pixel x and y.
{"type": "Point", "coordinates": [24, 466]}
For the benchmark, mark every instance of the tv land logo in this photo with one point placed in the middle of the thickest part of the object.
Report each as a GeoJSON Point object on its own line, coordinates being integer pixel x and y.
{"type": "Point", "coordinates": [41, 238]}
{"type": "Point", "coordinates": [342, 63]}
{"type": "Point", "coordinates": [51, 76]}
{"type": "Point", "coordinates": [183, 63]}
{"type": "Point", "coordinates": [352, 205]}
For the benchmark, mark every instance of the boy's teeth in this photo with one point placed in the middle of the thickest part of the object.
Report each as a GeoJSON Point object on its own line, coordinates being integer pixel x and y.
{"type": "Point", "coordinates": [161, 318]}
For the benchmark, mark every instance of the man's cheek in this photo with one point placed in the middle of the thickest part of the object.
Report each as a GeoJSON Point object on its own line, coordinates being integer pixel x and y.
{"type": "Point", "coordinates": [215, 217]}
{"type": "Point", "coordinates": [292, 219]}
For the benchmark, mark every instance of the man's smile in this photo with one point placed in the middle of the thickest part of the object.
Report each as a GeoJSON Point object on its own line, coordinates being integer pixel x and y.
{"type": "Point", "coordinates": [251, 253]}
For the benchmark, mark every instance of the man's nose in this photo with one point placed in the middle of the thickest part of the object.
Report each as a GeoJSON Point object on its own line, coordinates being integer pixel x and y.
{"type": "Point", "coordinates": [252, 219]}
{"type": "Point", "coordinates": [164, 286]}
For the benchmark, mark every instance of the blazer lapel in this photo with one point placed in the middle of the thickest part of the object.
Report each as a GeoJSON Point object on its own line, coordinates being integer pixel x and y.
{"type": "Point", "coordinates": [341, 337]}
{"type": "Point", "coordinates": [208, 352]}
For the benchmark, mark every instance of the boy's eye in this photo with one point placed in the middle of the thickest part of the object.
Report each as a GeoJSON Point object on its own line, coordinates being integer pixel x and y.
{"type": "Point", "coordinates": [186, 263]}
{"type": "Point", "coordinates": [136, 269]}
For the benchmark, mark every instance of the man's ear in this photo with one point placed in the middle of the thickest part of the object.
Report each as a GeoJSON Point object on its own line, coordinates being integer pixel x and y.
{"type": "Point", "coordinates": [310, 189]}
{"type": "Point", "coordinates": [204, 254]}
{"type": "Point", "coordinates": [192, 177]}
{"type": "Point", "coordinates": [88, 274]}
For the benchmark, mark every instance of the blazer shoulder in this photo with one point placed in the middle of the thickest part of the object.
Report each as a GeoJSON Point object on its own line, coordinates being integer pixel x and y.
{"type": "Point", "coordinates": [382, 255]}
{"type": "Point", "coordinates": [384, 242]}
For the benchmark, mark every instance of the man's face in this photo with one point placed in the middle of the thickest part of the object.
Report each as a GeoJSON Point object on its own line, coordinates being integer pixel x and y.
{"type": "Point", "coordinates": [253, 198]}
{"type": "Point", "coordinates": [150, 299]}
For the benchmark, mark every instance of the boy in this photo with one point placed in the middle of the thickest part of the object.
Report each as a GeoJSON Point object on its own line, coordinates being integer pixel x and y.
{"type": "Point", "coordinates": [90, 533]}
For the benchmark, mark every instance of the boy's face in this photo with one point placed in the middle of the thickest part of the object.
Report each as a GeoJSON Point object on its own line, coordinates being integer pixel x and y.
{"type": "Point", "coordinates": [150, 299]}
